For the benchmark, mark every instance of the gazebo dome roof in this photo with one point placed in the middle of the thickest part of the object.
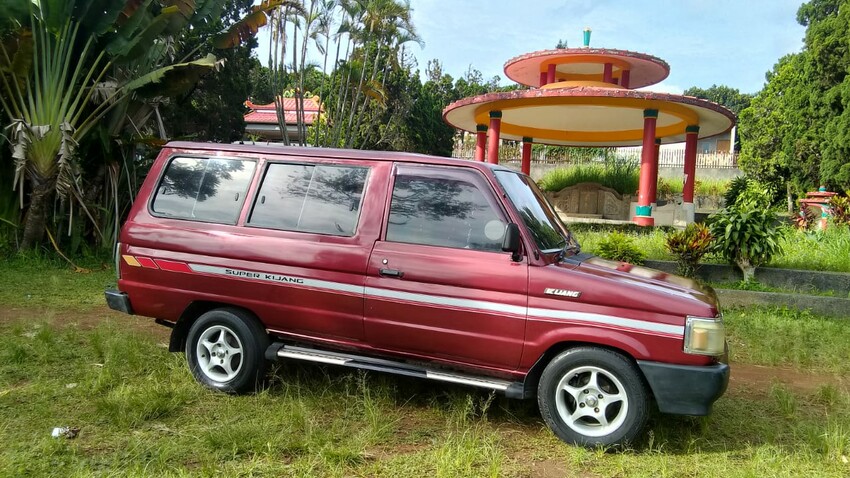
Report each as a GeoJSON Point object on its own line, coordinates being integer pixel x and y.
{"type": "Point", "coordinates": [589, 116]}
{"type": "Point", "coordinates": [587, 64]}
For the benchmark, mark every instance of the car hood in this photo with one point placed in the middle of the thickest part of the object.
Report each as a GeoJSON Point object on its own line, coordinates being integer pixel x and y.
{"type": "Point", "coordinates": [651, 283]}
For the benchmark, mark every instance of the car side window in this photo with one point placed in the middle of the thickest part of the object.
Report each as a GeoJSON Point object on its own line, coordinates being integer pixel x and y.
{"type": "Point", "coordinates": [448, 210]}
{"type": "Point", "coordinates": [322, 199]}
{"type": "Point", "coordinates": [203, 189]}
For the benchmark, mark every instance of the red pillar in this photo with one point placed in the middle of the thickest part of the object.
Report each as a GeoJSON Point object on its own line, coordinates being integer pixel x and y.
{"type": "Point", "coordinates": [493, 139]}
{"type": "Point", "coordinates": [550, 74]}
{"type": "Point", "coordinates": [648, 170]}
{"type": "Point", "coordinates": [526, 155]}
{"type": "Point", "coordinates": [653, 193]}
{"type": "Point", "coordinates": [691, 137]}
{"type": "Point", "coordinates": [480, 141]}
{"type": "Point", "coordinates": [608, 73]}
{"type": "Point", "coordinates": [543, 77]}
{"type": "Point", "coordinates": [624, 78]}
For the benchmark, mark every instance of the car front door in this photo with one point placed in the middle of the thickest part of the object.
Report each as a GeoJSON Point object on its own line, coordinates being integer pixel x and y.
{"type": "Point", "coordinates": [438, 284]}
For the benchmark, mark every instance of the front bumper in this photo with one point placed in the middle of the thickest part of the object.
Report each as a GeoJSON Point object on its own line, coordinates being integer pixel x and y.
{"type": "Point", "coordinates": [685, 389]}
{"type": "Point", "coordinates": [117, 300]}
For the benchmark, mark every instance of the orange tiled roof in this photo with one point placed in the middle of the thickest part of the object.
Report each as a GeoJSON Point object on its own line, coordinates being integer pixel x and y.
{"type": "Point", "coordinates": [265, 114]}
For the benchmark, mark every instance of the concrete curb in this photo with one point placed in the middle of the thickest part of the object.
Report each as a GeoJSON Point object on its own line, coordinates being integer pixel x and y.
{"type": "Point", "coordinates": [829, 306]}
{"type": "Point", "coordinates": [789, 279]}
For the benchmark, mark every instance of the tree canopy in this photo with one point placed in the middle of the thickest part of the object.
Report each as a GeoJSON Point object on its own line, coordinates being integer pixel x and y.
{"type": "Point", "coordinates": [723, 95]}
{"type": "Point", "coordinates": [797, 129]}
{"type": "Point", "coordinates": [213, 109]}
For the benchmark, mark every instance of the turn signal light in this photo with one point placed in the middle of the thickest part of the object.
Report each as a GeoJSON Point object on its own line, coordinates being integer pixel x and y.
{"type": "Point", "coordinates": [705, 336]}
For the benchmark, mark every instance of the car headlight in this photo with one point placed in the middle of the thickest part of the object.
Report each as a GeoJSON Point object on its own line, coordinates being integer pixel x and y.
{"type": "Point", "coordinates": [705, 336]}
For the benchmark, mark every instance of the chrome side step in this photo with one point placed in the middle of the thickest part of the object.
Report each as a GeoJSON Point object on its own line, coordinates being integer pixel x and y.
{"type": "Point", "coordinates": [278, 351]}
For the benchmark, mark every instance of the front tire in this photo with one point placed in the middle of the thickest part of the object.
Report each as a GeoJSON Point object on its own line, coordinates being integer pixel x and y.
{"type": "Point", "coordinates": [590, 396]}
{"type": "Point", "coordinates": [225, 350]}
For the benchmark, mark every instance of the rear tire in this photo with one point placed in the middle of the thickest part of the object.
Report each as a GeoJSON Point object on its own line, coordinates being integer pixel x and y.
{"type": "Point", "coordinates": [225, 350]}
{"type": "Point", "coordinates": [590, 396]}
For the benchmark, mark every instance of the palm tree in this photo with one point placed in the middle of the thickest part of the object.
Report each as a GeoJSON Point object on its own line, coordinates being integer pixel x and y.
{"type": "Point", "coordinates": [372, 32]}
{"type": "Point", "coordinates": [394, 30]}
{"type": "Point", "coordinates": [351, 27]}
{"type": "Point", "coordinates": [395, 60]}
{"type": "Point", "coordinates": [384, 22]}
{"type": "Point", "coordinates": [324, 25]}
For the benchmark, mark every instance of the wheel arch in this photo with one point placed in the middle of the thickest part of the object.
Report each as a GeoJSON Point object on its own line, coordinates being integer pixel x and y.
{"type": "Point", "coordinates": [197, 308]}
{"type": "Point", "coordinates": [532, 378]}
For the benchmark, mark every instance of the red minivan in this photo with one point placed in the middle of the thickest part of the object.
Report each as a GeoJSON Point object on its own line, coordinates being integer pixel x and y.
{"type": "Point", "coordinates": [430, 267]}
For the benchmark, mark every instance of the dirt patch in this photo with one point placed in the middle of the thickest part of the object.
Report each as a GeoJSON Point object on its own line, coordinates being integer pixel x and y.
{"type": "Point", "coordinates": [553, 468]}
{"type": "Point", "coordinates": [85, 319]}
{"type": "Point", "coordinates": [550, 468]}
{"type": "Point", "coordinates": [389, 452]}
{"type": "Point", "coordinates": [759, 378]}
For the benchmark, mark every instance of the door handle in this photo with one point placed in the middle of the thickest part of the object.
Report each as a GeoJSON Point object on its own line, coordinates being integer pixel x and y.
{"type": "Point", "coordinates": [391, 273]}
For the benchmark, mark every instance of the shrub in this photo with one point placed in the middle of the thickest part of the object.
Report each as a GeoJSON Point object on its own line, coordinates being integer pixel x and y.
{"type": "Point", "coordinates": [746, 231]}
{"type": "Point", "coordinates": [620, 247]}
{"type": "Point", "coordinates": [755, 195]}
{"type": "Point", "coordinates": [736, 187]}
{"type": "Point", "coordinates": [711, 187]}
{"type": "Point", "coordinates": [804, 218]}
{"type": "Point", "coordinates": [747, 235]}
{"type": "Point", "coordinates": [689, 245]}
{"type": "Point", "coordinates": [707, 187]}
{"type": "Point", "coordinates": [667, 188]}
{"type": "Point", "coordinates": [620, 176]}
{"type": "Point", "coordinates": [840, 206]}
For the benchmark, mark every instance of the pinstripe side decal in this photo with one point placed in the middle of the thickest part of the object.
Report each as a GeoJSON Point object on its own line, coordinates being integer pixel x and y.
{"type": "Point", "coordinates": [602, 319]}
{"type": "Point", "coordinates": [438, 300]}
{"type": "Point", "coordinates": [278, 278]}
{"type": "Point", "coordinates": [447, 301]}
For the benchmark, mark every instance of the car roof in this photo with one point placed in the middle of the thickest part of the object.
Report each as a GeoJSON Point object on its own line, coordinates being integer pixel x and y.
{"type": "Point", "coordinates": [279, 149]}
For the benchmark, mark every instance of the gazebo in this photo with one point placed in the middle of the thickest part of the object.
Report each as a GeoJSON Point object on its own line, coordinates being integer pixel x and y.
{"type": "Point", "coordinates": [587, 97]}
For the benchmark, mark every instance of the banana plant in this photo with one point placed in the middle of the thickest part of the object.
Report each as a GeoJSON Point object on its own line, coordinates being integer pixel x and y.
{"type": "Point", "coordinates": [48, 109]}
{"type": "Point", "coordinates": [59, 57]}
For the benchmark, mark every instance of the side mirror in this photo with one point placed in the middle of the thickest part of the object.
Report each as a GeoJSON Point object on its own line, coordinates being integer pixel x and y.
{"type": "Point", "coordinates": [511, 242]}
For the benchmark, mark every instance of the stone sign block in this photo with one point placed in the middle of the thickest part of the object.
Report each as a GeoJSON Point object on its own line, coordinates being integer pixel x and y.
{"type": "Point", "coordinates": [590, 199]}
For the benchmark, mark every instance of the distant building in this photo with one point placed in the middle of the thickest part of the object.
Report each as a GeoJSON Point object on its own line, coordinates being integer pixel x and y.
{"type": "Point", "coordinates": [261, 120]}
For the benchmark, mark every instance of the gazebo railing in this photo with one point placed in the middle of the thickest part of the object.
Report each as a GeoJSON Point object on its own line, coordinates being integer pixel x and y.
{"type": "Point", "coordinates": [668, 158]}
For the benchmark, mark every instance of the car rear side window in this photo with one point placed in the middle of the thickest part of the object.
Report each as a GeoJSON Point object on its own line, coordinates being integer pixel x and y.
{"type": "Point", "coordinates": [203, 189]}
{"type": "Point", "coordinates": [321, 199]}
{"type": "Point", "coordinates": [448, 210]}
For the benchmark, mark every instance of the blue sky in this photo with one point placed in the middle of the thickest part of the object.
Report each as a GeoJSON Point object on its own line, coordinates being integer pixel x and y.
{"type": "Point", "coordinates": [729, 42]}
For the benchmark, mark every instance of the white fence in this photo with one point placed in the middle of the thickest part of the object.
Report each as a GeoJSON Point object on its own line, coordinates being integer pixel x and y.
{"type": "Point", "coordinates": [667, 158]}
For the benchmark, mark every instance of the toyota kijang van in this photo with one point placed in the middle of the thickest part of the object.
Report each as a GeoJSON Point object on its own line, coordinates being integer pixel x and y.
{"type": "Point", "coordinates": [444, 269]}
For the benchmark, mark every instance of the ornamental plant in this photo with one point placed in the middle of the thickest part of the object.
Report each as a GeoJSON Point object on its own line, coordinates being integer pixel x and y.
{"type": "Point", "coordinates": [620, 247]}
{"type": "Point", "coordinates": [840, 207]}
{"type": "Point", "coordinates": [804, 218]}
{"type": "Point", "coordinates": [689, 245]}
{"type": "Point", "coordinates": [747, 233]}
{"type": "Point", "coordinates": [736, 186]}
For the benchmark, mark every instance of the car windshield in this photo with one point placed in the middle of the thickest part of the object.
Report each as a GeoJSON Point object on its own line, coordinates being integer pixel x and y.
{"type": "Point", "coordinates": [539, 217]}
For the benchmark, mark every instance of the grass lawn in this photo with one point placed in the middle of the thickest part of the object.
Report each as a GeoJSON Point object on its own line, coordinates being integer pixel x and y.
{"type": "Point", "coordinates": [623, 177]}
{"type": "Point", "coordinates": [67, 361]}
{"type": "Point", "coordinates": [826, 251]}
